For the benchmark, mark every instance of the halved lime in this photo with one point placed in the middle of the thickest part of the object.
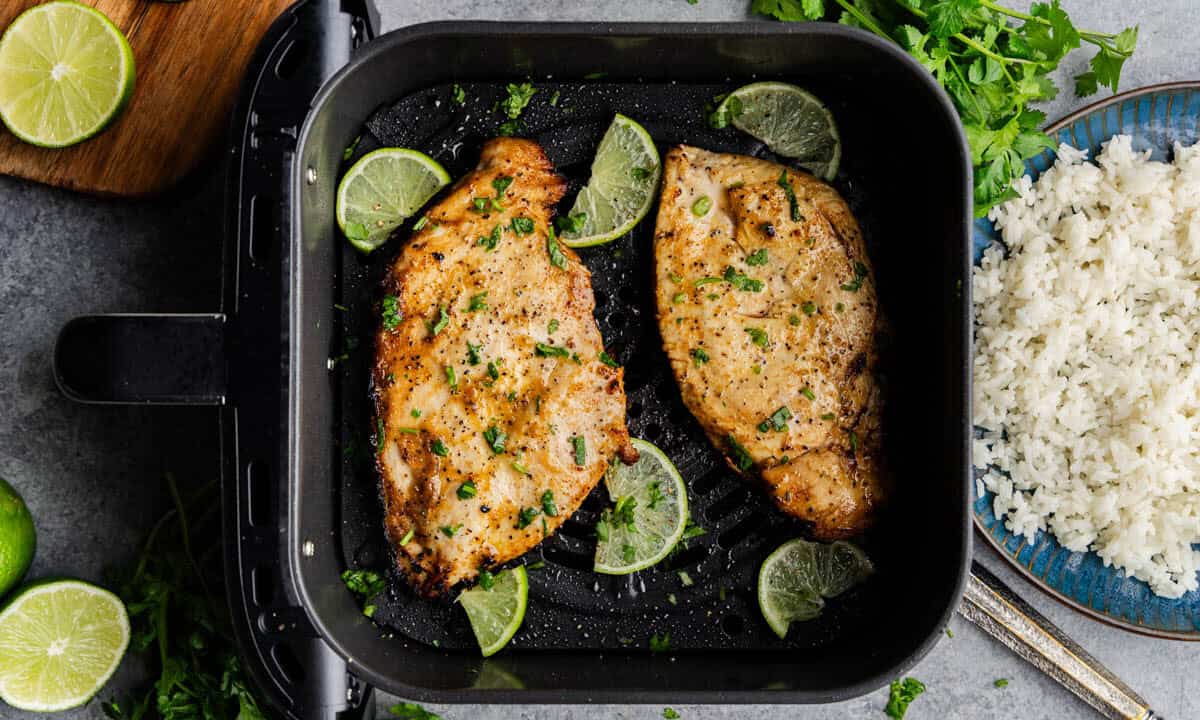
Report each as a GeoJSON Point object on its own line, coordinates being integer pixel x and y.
{"type": "Point", "coordinates": [496, 614]}
{"type": "Point", "coordinates": [791, 121]}
{"type": "Point", "coordinates": [65, 72]}
{"type": "Point", "coordinates": [60, 641]}
{"type": "Point", "coordinates": [382, 190]}
{"type": "Point", "coordinates": [621, 189]}
{"type": "Point", "coordinates": [795, 578]}
{"type": "Point", "coordinates": [649, 517]}
{"type": "Point", "coordinates": [17, 537]}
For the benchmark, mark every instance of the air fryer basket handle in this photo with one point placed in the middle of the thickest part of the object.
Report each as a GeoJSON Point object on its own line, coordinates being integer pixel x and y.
{"type": "Point", "coordinates": [143, 359]}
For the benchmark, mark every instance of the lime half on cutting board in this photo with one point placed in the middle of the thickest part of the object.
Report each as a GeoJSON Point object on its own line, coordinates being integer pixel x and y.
{"type": "Point", "coordinates": [60, 641]}
{"type": "Point", "coordinates": [382, 190]}
{"type": "Point", "coordinates": [791, 121]}
{"type": "Point", "coordinates": [65, 73]}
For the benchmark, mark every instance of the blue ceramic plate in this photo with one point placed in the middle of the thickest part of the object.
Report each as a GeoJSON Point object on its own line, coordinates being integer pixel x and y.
{"type": "Point", "coordinates": [1156, 117]}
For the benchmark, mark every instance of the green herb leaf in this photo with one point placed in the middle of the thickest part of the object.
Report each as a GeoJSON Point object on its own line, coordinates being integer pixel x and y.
{"type": "Point", "coordinates": [467, 490]}
{"type": "Point", "coordinates": [758, 336]}
{"type": "Point", "coordinates": [495, 438]}
{"type": "Point", "coordinates": [450, 530]}
{"type": "Point", "coordinates": [478, 302]}
{"type": "Point", "coordinates": [391, 312]}
{"type": "Point", "coordinates": [670, 713]}
{"type": "Point", "coordinates": [901, 695]}
{"type": "Point", "coordinates": [660, 643]}
{"type": "Point", "coordinates": [522, 225]}
{"type": "Point", "coordinates": [442, 321]}
{"type": "Point", "coordinates": [526, 517]}
{"type": "Point", "coordinates": [487, 580]}
{"type": "Point", "coordinates": [458, 95]}
{"type": "Point", "coordinates": [452, 378]}
{"type": "Point", "coordinates": [490, 242]}
{"type": "Point", "coordinates": [607, 360]}
{"type": "Point", "coordinates": [758, 257]}
{"type": "Point", "coordinates": [548, 506]}
{"type": "Point", "coordinates": [741, 281]}
{"type": "Point", "coordinates": [557, 258]}
{"type": "Point", "coordinates": [437, 447]}
{"type": "Point", "coordinates": [702, 205]}
{"type": "Point", "coordinates": [791, 10]}
{"type": "Point", "coordinates": [412, 711]}
{"type": "Point", "coordinates": [473, 353]}
{"type": "Point", "coordinates": [580, 446]}
{"type": "Point", "coordinates": [366, 584]}
{"type": "Point", "coordinates": [517, 98]}
{"type": "Point", "coordinates": [1001, 683]}
{"type": "Point", "coordinates": [544, 350]}
{"type": "Point", "coordinates": [793, 205]}
{"type": "Point", "coordinates": [699, 356]}
{"type": "Point", "coordinates": [741, 457]}
{"type": "Point", "coordinates": [571, 224]}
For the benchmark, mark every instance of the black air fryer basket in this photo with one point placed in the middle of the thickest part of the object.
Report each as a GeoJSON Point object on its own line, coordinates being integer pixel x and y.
{"type": "Point", "coordinates": [289, 367]}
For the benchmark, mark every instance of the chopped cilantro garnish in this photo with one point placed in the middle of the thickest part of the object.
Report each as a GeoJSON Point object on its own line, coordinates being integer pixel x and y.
{"type": "Point", "coordinates": [670, 713]}
{"type": "Point", "coordinates": [472, 353]}
{"type": "Point", "coordinates": [552, 326]}
{"type": "Point", "coordinates": [741, 457]}
{"type": "Point", "coordinates": [544, 350]}
{"type": "Point", "coordinates": [452, 378]}
{"type": "Point", "coordinates": [628, 553]}
{"type": "Point", "coordinates": [702, 205]}
{"type": "Point", "coordinates": [786, 184]}
{"type": "Point", "coordinates": [860, 274]}
{"type": "Point", "coordinates": [1001, 683]}
{"type": "Point", "coordinates": [437, 447]}
{"type": "Point", "coordinates": [656, 495]}
{"type": "Point", "coordinates": [809, 308]}
{"type": "Point", "coordinates": [580, 446]}
{"type": "Point", "coordinates": [442, 321]}
{"type": "Point", "coordinates": [678, 298]}
{"type": "Point", "coordinates": [478, 302]}
{"type": "Point", "coordinates": [778, 420]}
{"type": "Point", "coordinates": [391, 312]}
{"type": "Point", "coordinates": [490, 242]}
{"type": "Point", "coordinates": [808, 393]}
{"type": "Point", "coordinates": [518, 97]}
{"type": "Point", "coordinates": [685, 579]}
{"type": "Point", "coordinates": [741, 281]}
{"type": "Point", "coordinates": [526, 516]}
{"type": "Point", "coordinates": [501, 184]}
{"type": "Point", "coordinates": [758, 257]}
{"type": "Point", "coordinates": [522, 225]}
{"type": "Point", "coordinates": [493, 371]}
{"type": "Point", "coordinates": [554, 98]}
{"type": "Point", "coordinates": [495, 438]}
{"type": "Point", "coordinates": [519, 467]}
{"type": "Point", "coordinates": [408, 536]}
{"type": "Point", "coordinates": [421, 223]}
{"type": "Point", "coordinates": [409, 431]}
{"type": "Point", "coordinates": [793, 319]}
{"type": "Point", "coordinates": [557, 258]}
{"type": "Point", "coordinates": [758, 336]}
{"type": "Point", "coordinates": [415, 413]}
{"type": "Point", "coordinates": [364, 583]}
{"type": "Point", "coordinates": [853, 441]}
{"type": "Point", "coordinates": [457, 94]}
{"type": "Point", "coordinates": [607, 360]}
{"type": "Point", "coordinates": [571, 224]}
{"type": "Point", "coordinates": [481, 205]}
{"type": "Point", "coordinates": [486, 580]}
{"type": "Point", "coordinates": [902, 693]}
{"type": "Point", "coordinates": [450, 530]}
{"type": "Point", "coordinates": [548, 506]}
{"type": "Point", "coordinates": [699, 356]}
{"type": "Point", "coordinates": [675, 277]}
{"type": "Point", "coordinates": [640, 173]}
{"type": "Point", "coordinates": [828, 416]}
{"type": "Point", "coordinates": [660, 643]}
{"type": "Point", "coordinates": [467, 490]}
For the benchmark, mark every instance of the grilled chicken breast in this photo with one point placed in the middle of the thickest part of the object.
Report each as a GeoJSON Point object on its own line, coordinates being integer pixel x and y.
{"type": "Point", "coordinates": [768, 312]}
{"type": "Point", "coordinates": [496, 413]}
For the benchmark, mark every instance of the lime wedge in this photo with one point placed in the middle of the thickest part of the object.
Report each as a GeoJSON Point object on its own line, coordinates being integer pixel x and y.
{"type": "Point", "coordinates": [621, 189]}
{"type": "Point", "coordinates": [65, 72]}
{"type": "Point", "coordinates": [496, 613]}
{"type": "Point", "coordinates": [382, 190]}
{"type": "Point", "coordinates": [17, 538]}
{"type": "Point", "coordinates": [649, 517]}
{"type": "Point", "coordinates": [60, 641]}
{"type": "Point", "coordinates": [795, 578]}
{"type": "Point", "coordinates": [790, 121]}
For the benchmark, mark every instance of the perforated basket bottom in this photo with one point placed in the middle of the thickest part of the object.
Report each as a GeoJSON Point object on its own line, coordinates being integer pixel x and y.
{"type": "Point", "coordinates": [570, 607]}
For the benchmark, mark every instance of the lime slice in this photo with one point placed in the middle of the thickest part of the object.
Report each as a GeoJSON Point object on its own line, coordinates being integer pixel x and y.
{"type": "Point", "coordinates": [621, 189]}
{"type": "Point", "coordinates": [65, 72]}
{"type": "Point", "coordinates": [496, 614]}
{"type": "Point", "coordinates": [17, 538]}
{"type": "Point", "coordinates": [790, 121]}
{"type": "Point", "coordinates": [650, 514]}
{"type": "Point", "coordinates": [383, 189]}
{"type": "Point", "coordinates": [60, 641]}
{"type": "Point", "coordinates": [793, 580]}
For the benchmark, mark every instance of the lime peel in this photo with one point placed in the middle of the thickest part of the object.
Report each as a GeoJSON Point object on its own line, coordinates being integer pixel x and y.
{"type": "Point", "coordinates": [796, 579]}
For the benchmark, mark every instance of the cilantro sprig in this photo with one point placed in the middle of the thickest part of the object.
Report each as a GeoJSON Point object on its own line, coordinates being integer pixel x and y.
{"type": "Point", "coordinates": [992, 60]}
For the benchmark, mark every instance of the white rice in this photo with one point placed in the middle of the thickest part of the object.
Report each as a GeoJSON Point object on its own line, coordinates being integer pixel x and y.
{"type": "Point", "coordinates": [1087, 360]}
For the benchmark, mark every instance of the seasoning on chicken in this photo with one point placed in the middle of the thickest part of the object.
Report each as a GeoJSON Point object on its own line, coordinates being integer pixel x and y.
{"type": "Point", "coordinates": [768, 313]}
{"type": "Point", "coordinates": [495, 414]}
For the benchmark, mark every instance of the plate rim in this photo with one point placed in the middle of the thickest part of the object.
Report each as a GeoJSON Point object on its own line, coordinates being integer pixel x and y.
{"type": "Point", "coordinates": [1022, 570]}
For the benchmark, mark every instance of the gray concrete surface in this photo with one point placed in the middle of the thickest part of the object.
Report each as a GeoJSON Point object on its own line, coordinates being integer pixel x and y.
{"type": "Point", "coordinates": [92, 475]}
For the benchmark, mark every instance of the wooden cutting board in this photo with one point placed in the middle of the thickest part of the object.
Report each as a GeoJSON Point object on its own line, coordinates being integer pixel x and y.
{"type": "Point", "coordinates": [190, 58]}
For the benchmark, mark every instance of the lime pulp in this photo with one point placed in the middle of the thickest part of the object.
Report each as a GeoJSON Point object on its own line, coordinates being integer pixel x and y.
{"type": "Point", "coordinates": [791, 121]}
{"type": "Point", "coordinates": [799, 575]}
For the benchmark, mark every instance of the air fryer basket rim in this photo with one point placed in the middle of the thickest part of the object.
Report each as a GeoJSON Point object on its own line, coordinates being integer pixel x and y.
{"type": "Point", "coordinates": [390, 43]}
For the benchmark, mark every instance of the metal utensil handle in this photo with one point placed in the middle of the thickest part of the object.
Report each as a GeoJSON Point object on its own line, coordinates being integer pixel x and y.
{"type": "Point", "coordinates": [995, 608]}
